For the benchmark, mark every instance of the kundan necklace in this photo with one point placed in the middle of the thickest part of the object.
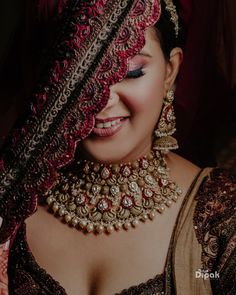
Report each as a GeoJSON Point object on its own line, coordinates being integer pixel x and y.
{"type": "Point", "coordinates": [102, 198]}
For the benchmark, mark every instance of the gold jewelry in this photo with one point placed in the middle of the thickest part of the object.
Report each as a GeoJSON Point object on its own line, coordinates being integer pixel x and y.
{"type": "Point", "coordinates": [166, 126]}
{"type": "Point", "coordinates": [171, 8]}
{"type": "Point", "coordinates": [100, 197]}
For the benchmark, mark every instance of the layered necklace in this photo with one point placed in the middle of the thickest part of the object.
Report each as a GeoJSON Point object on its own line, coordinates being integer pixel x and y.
{"type": "Point", "coordinates": [99, 198]}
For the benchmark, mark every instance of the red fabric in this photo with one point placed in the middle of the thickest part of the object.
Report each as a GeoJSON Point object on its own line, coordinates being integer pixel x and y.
{"type": "Point", "coordinates": [205, 100]}
{"type": "Point", "coordinates": [207, 77]}
{"type": "Point", "coordinates": [47, 7]}
{"type": "Point", "coordinates": [73, 89]}
{"type": "Point", "coordinates": [186, 11]}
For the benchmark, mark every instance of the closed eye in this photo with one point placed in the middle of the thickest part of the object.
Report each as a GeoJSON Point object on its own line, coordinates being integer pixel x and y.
{"type": "Point", "coordinates": [135, 73]}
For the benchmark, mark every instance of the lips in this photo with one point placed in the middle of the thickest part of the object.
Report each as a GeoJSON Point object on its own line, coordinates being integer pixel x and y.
{"type": "Point", "coordinates": [109, 126]}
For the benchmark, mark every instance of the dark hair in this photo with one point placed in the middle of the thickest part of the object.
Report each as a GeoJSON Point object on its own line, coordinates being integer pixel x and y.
{"type": "Point", "coordinates": [165, 29]}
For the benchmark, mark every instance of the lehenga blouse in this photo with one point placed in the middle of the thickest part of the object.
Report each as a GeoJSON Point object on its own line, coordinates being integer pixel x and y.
{"type": "Point", "coordinates": [201, 256]}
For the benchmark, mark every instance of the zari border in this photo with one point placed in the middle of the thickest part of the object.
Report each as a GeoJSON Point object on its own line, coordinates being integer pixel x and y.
{"type": "Point", "coordinates": [96, 40]}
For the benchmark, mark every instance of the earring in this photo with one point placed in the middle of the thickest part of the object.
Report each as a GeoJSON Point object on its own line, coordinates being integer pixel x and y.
{"type": "Point", "coordinates": [166, 126]}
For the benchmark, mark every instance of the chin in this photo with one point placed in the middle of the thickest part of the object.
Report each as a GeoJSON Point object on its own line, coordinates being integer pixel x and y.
{"type": "Point", "coordinates": [106, 154]}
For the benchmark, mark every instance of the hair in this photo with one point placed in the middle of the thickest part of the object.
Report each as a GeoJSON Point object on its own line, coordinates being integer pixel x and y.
{"type": "Point", "coordinates": [165, 30]}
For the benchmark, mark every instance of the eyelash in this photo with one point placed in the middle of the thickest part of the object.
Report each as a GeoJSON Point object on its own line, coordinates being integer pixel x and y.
{"type": "Point", "coordinates": [135, 73]}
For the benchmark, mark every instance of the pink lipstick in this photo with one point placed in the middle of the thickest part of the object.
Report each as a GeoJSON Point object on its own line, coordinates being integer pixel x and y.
{"type": "Point", "coordinates": [109, 126]}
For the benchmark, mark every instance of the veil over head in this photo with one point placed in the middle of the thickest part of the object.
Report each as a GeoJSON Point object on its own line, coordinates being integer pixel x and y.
{"type": "Point", "coordinates": [95, 39]}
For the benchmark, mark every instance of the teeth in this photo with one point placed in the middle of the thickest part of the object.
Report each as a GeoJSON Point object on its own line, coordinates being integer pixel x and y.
{"type": "Point", "coordinates": [114, 122]}
{"type": "Point", "coordinates": [108, 124]}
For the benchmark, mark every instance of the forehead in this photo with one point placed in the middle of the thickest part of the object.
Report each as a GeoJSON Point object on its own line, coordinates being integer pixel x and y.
{"type": "Point", "coordinates": [151, 32]}
{"type": "Point", "coordinates": [152, 43]}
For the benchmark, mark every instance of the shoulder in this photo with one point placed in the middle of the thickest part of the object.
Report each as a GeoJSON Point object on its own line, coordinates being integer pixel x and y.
{"type": "Point", "coordinates": [182, 171]}
{"type": "Point", "coordinates": [215, 222]}
{"type": "Point", "coordinates": [214, 219]}
{"type": "Point", "coordinates": [216, 201]}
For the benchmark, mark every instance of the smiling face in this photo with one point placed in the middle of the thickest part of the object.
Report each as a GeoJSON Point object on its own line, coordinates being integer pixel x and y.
{"type": "Point", "coordinates": [123, 129]}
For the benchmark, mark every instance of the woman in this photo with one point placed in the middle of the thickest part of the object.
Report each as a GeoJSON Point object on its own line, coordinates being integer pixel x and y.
{"type": "Point", "coordinates": [123, 173]}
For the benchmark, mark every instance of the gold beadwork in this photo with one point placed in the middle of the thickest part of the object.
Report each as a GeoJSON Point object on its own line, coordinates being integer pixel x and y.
{"type": "Point", "coordinates": [129, 193]}
{"type": "Point", "coordinates": [171, 8]}
{"type": "Point", "coordinates": [166, 127]}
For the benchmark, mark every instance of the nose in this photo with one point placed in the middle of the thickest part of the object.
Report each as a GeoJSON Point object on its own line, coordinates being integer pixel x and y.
{"type": "Point", "coordinates": [113, 99]}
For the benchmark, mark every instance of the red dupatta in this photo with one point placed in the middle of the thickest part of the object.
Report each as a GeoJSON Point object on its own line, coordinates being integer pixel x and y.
{"type": "Point", "coordinates": [94, 42]}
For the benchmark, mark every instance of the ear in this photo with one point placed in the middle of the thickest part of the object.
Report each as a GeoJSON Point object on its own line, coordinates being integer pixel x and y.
{"type": "Point", "coordinates": [172, 67]}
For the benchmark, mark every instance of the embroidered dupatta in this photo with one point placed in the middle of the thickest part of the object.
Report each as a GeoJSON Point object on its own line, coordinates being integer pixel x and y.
{"type": "Point", "coordinates": [95, 39]}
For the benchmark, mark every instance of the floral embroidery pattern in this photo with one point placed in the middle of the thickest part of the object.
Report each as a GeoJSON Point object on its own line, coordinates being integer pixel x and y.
{"type": "Point", "coordinates": [215, 218]}
{"type": "Point", "coordinates": [74, 90]}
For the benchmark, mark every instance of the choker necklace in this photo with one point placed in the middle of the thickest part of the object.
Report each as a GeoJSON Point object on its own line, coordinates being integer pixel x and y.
{"type": "Point", "coordinates": [100, 198]}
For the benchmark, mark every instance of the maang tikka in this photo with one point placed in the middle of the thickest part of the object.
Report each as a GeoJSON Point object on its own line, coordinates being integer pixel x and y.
{"type": "Point", "coordinates": [166, 126]}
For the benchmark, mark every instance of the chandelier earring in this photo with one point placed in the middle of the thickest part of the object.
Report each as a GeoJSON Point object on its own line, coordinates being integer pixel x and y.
{"type": "Point", "coordinates": [166, 126]}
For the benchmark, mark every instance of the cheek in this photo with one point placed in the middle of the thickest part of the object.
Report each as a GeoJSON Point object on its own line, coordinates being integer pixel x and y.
{"type": "Point", "coordinates": [146, 96]}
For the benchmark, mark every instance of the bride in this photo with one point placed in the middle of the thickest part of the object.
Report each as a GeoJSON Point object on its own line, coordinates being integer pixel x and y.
{"type": "Point", "coordinates": [136, 217]}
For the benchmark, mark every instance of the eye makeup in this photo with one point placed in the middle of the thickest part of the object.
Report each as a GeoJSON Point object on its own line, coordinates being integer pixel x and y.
{"type": "Point", "coordinates": [136, 66]}
{"type": "Point", "coordinates": [136, 73]}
